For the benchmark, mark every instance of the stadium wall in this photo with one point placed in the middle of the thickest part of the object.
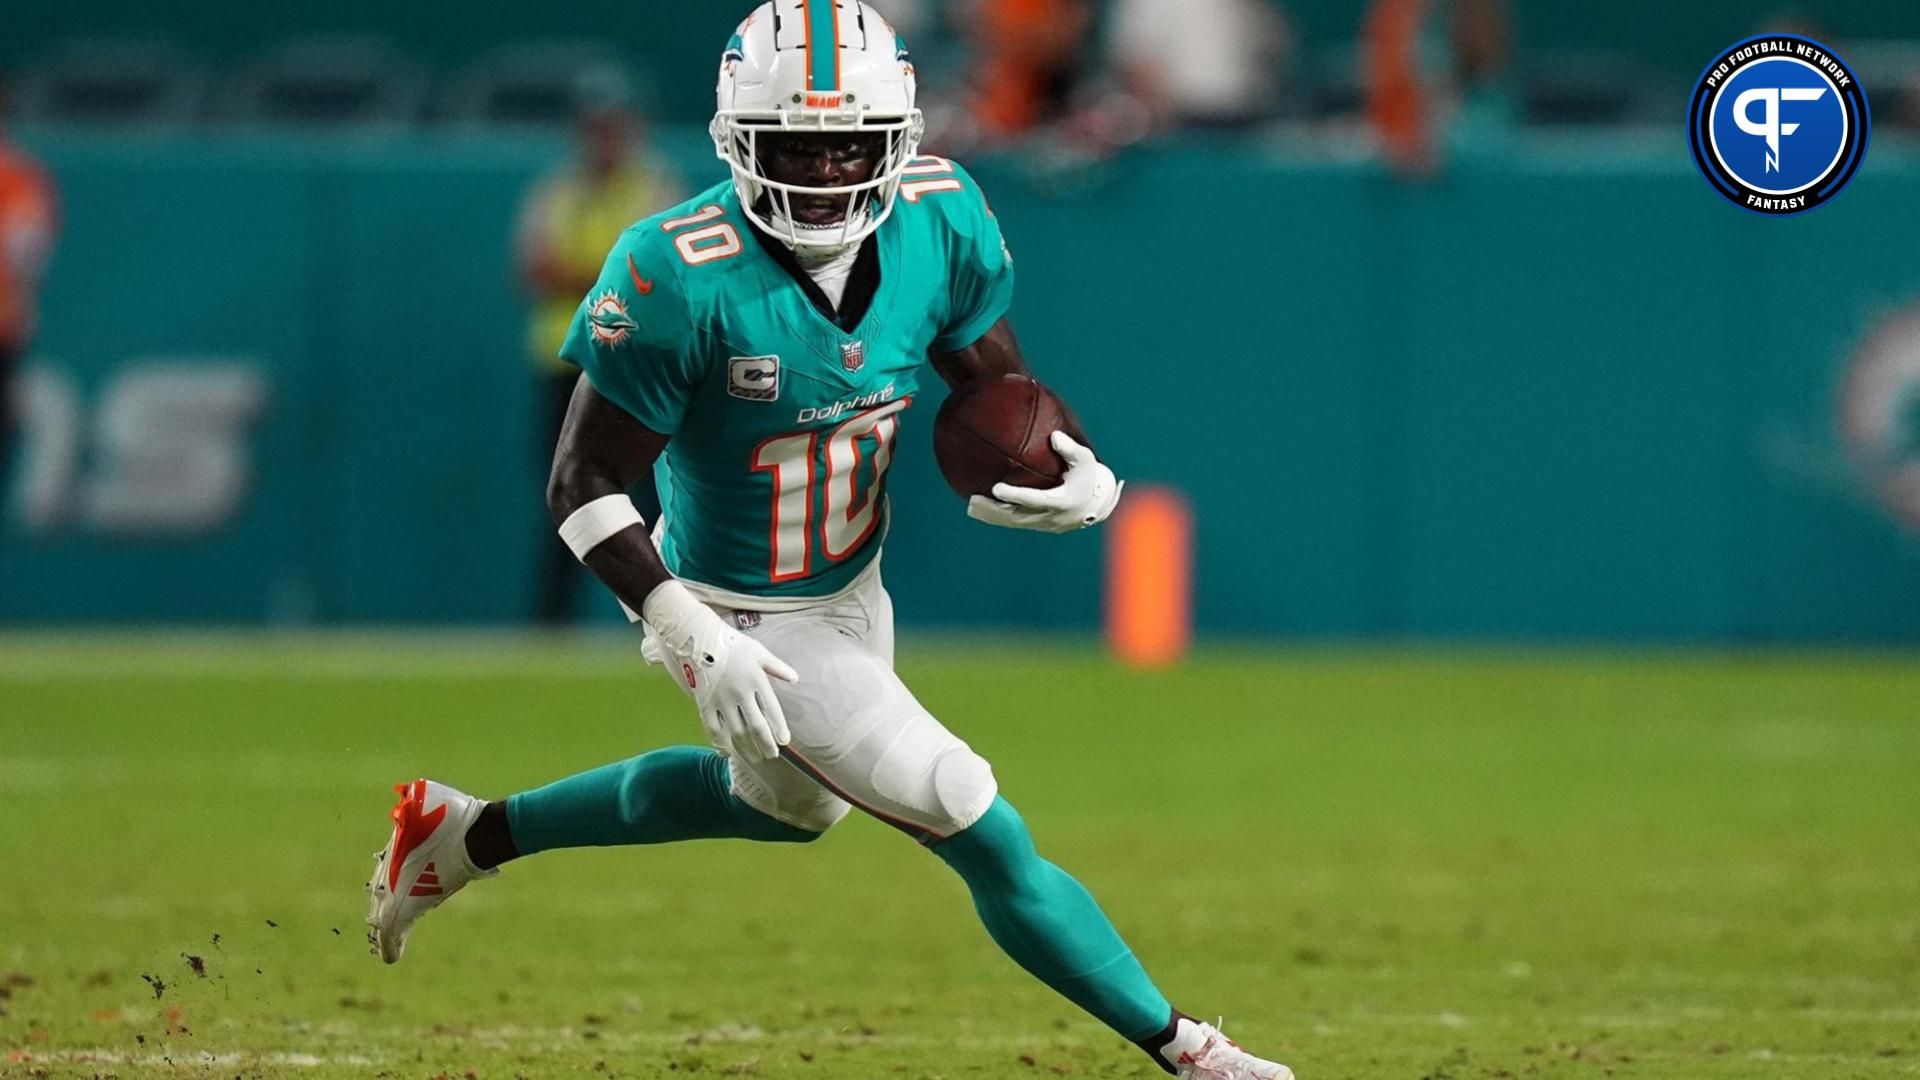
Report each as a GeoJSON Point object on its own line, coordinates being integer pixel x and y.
{"type": "Point", "coordinates": [673, 45]}
{"type": "Point", "coordinates": [1561, 393]}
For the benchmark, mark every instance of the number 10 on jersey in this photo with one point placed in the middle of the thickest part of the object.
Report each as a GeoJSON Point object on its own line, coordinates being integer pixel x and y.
{"type": "Point", "coordinates": [803, 484]}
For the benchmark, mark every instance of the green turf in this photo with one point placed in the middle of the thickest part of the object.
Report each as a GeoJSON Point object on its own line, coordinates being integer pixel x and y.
{"type": "Point", "coordinates": [1375, 865]}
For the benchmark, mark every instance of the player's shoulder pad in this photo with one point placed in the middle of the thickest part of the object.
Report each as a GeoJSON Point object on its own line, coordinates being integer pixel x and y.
{"type": "Point", "coordinates": [942, 192]}
{"type": "Point", "coordinates": [687, 253]}
{"type": "Point", "coordinates": [640, 290]}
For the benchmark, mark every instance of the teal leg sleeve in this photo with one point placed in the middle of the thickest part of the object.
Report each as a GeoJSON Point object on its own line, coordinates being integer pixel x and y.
{"type": "Point", "coordinates": [679, 793]}
{"type": "Point", "coordinates": [1050, 925]}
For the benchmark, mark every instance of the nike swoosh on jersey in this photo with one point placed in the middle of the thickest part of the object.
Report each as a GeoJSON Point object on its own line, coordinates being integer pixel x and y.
{"type": "Point", "coordinates": [641, 285]}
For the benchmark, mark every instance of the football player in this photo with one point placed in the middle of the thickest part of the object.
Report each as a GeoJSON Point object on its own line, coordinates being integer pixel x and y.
{"type": "Point", "coordinates": [755, 350]}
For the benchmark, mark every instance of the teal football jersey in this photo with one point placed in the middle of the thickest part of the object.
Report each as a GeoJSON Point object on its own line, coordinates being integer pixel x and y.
{"type": "Point", "coordinates": [782, 425]}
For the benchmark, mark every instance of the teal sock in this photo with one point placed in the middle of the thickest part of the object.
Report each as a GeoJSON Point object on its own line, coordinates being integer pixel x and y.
{"type": "Point", "coordinates": [1050, 925]}
{"type": "Point", "coordinates": [679, 793]}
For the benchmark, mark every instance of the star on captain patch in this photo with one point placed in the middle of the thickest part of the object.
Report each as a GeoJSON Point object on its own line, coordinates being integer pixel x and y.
{"type": "Point", "coordinates": [853, 355]}
{"type": "Point", "coordinates": [609, 320]}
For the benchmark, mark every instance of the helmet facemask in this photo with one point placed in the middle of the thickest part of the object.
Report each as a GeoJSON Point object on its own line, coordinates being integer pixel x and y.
{"type": "Point", "coordinates": [738, 138]}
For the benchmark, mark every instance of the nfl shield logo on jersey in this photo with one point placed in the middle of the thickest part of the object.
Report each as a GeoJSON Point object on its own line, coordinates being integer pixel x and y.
{"type": "Point", "coordinates": [853, 355]}
{"type": "Point", "coordinates": [754, 378]}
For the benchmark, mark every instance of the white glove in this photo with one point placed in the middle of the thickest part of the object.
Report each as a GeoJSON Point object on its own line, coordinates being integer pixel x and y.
{"type": "Point", "coordinates": [1084, 496]}
{"type": "Point", "coordinates": [725, 670]}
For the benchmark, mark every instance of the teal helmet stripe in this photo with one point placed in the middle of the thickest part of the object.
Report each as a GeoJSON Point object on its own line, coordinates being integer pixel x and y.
{"type": "Point", "coordinates": [823, 44]}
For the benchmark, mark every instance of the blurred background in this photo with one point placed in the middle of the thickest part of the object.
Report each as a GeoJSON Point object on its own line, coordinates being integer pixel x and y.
{"type": "Point", "coordinates": [1416, 312]}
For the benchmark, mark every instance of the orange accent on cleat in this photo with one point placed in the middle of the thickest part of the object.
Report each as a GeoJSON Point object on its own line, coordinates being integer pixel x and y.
{"type": "Point", "coordinates": [412, 825]}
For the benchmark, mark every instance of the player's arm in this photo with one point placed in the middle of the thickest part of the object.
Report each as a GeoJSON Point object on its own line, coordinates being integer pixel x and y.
{"type": "Point", "coordinates": [603, 452]}
{"type": "Point", "coordinates": [643, 365]}
{"type": "Point", "coordinates": [976, 341]}
{"type": "Point", "coordinates": [1085, 495]}
{"type": "Point", "coordinates": [997, 353]}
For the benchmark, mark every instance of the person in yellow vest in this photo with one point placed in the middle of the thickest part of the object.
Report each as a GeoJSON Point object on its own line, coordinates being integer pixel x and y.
{"type": "Point", "coordinates": [568, 219]}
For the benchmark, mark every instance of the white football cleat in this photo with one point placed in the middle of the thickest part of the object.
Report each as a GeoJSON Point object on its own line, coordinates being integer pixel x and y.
{"type": "Point", "coordinates": [1220, 1058]}
{"type": "Point", "coordinates": [425, 861]}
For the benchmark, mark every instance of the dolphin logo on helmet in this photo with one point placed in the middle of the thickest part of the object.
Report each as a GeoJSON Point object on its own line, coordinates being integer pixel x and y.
{"type": "Point", "coordinates": [815, 66]}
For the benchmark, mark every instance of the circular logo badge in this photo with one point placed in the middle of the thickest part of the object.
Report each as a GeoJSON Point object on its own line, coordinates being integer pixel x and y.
{"type": "Point", "coordinates": [1779, 124]}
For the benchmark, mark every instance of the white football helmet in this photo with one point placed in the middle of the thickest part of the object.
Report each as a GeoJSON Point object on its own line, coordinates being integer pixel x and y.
{"type": "Point", "coordinates": [807, 66]}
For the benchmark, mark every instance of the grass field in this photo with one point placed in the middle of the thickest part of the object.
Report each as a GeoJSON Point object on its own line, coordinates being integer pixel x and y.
{"type": "Point", "coordinates": [1375, 865]}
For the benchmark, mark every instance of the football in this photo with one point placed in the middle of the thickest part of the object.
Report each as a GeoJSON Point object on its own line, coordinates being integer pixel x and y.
{"type": "Point", "coordinates": [993, 431]}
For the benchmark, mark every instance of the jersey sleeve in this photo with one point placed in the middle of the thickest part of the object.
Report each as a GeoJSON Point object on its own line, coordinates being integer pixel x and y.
{"type": "Point", "coordinates": [635, 339]}
{"type": "Point", "coordinates": [980, 274]}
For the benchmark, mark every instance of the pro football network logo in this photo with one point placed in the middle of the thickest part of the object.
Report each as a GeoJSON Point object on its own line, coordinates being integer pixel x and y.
{"type": "Point", "coordinates": [609, 321]}
{"type": "Point", "coordinates": [754, 378]}
{"type": "Point", "coordinates": [1779, 124]}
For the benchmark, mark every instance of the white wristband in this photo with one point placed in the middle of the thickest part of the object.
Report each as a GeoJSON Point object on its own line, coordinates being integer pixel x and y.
{"type": "Point", "coordinates": [590, 526]}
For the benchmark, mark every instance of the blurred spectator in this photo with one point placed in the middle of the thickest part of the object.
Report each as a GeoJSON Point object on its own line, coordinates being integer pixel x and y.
{"type": "Point", "coordinates": [1200, 63]}
{"type": "Point", "coordinates": [568, 222]}
{"type": "Point", "coordinates": [1409, 111]}
{"type": "Point", "coordinates": [1905, 115]}
{"type": "Point", "coordinates": [909, 18]}
{"type": "Point", "coordinates": [28, 219]}
{"type": "Point", "coordinates": [1795, 21]}
{"type": "Point", "coordinates": [1030, 56]}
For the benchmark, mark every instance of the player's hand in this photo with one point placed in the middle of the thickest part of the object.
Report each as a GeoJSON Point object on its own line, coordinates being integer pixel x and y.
{"type": "Point", "coordinates": [1084, 496]}
{"type": "Point", "coordinates": [726, 672]}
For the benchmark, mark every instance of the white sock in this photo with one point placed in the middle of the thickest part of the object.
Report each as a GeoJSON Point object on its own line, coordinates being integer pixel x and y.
{"type": "Point", "coordinates": [1188, 1038]}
